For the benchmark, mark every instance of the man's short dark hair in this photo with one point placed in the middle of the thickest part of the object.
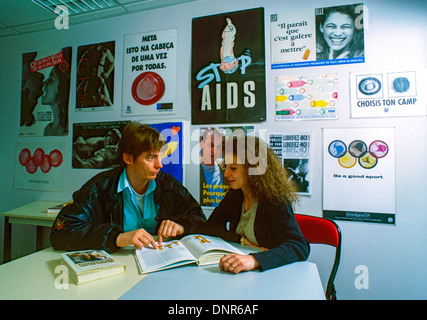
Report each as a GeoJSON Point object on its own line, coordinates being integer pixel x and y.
{"type": "Point", "coordinates": [138, 138]}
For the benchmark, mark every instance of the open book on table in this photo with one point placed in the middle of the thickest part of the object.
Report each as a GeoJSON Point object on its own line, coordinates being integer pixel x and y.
{"type": "Point", "coordinates": [194, 248]}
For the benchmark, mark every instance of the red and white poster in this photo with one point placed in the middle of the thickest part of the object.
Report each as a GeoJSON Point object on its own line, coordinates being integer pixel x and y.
{"type": "Point", "coordinates": [45, 92]}
{"type": "Point", "coordinates": [149, 73]}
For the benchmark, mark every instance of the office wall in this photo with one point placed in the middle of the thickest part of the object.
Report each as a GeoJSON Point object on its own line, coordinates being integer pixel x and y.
{"type": "Point", "coordinates": [395, 255]}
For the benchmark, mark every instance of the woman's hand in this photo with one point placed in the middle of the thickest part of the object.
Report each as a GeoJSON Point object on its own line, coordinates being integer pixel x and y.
{"type": "Point", "coordinates": [236, 263]}
{"type": "Point", "coordinates": [169, 229]}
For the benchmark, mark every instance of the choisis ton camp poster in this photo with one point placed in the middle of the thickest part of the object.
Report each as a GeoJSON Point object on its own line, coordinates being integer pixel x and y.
{"type": "Point", "coordinates": [228, 68]}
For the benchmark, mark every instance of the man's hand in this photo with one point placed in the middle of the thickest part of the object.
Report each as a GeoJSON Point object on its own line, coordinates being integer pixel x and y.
{"type": "Point", "coordinates": [139, 238]}
{"type": "Point", "coordinates": [168, 229]}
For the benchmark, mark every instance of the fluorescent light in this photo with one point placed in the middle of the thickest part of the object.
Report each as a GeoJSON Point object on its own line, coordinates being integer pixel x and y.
{"type": "Point", "coordinates": [77, 6]}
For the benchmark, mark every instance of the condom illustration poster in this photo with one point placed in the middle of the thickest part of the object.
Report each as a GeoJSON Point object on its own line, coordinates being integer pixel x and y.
{"type": "Point", "coordinates": [149, 73]}
{"type": "Point", "coordinates": [359, 175]}
{"type": "Point", "coordinates": [293, 150]}
{"type": "Point", "coordinates": [45, 92]}
{"type": "Point", "coordinates": [317, 37]}
{"type": "Point", "coordinates": [392, 93]}
{"type": "Point", "coordinates": [307, 97]}
{"type": "Point", "coordinates": [95, 76]}
{"type": "Point", "coordinates": [228, 68]}
{"type": "Point", "coordinates": [40, 166]}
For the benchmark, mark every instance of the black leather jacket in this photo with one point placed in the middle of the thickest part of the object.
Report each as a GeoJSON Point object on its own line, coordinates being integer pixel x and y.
{"type": "Point", "coordinates": [95, 219]}
{"type": "Point", "coordinates": [275, 228]}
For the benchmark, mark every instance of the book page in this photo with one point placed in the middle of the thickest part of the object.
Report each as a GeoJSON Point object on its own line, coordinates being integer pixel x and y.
{"type": "Point", "coordinates": [200, 244]}
{"type": "Point", "coordinates": [150, 259]}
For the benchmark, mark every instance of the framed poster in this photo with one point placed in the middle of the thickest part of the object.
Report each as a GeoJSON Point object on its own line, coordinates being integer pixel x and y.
{"type": "Point", "coordinates": [95, 144]}
{"type": "Point", "coordinates": [391, 93]}
{"type": "Point", "coordinates": [39, 166]}
{"type": "Point", "coordinates": [213, 184]}
{"type": "Point", "coordinates": [318, 37]}
{"type": "Point", "coordinates": [307, 97]}
{"type": "Point", "coordinates": [173, 152]}
{"type": "Point", "coordinates": [95, 76]}
{"type": "Point", "coordinates": [293, 150]}
{"type": "Point", "coordinates": [45, 92]}
{"type": "Point", "coordinates": [228, 68]}
{"type": "Point", "coordinates": [149, 73]}
{"type": "Point", "coordinates": [359, 174]}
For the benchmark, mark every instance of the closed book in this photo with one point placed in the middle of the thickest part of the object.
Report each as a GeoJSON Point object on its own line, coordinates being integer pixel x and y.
{"type": "Point", "coordinates": [89, 265]}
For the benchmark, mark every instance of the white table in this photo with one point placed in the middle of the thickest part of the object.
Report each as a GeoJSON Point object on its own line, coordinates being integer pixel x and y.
{"type": "Point", "coordinates": [34, 277]}
{"type": "Point", "coordinates": [34, 214]}
{"type": "Point", "coordinates": [296, 281]}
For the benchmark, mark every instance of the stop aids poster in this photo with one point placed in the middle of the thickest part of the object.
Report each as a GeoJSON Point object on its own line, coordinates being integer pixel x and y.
{"type": "Point", "coordinates": [228, 68]}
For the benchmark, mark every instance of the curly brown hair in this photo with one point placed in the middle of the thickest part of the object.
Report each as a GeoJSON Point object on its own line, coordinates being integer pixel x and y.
{"type": "Point", "coordinates": [266, 176]}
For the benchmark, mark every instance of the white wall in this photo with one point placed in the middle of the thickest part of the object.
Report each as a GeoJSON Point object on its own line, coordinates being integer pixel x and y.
{"type": "Point", "coordinates": [396, 256]}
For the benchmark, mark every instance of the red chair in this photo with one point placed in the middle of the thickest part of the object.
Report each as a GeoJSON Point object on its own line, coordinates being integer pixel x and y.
{"type": "Point", "coordinates": [323, 231]}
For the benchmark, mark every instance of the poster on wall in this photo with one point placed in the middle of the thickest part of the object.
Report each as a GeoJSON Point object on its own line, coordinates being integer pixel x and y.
{"type": "Point", "coordinates": [317, 37]}
{"type": "Point", "coordinates": [95, 76]}
{"type": "Point", "coordinates": [392, 93]}
{"type": "Point", "coordinates": [39, 166]}
{"type": "Point", "coordinates": [149, 73]}
{"type": "Point", "coordinates": [307, 97]}
{"type": "Point", "coordinates": [293, 150]}
{"type": "Point", "coordinates": [45, 92]}
{"type": "Point", "coordinates": [228, 68]}
{"type": "Point", "coordinates": [95, 144]}
{"type": "Point", "coordinates": [359, 174]}
{"type": "Point", "coordinates": [172, 153]}
{"type": "Point", "coordinates": [213, 184]}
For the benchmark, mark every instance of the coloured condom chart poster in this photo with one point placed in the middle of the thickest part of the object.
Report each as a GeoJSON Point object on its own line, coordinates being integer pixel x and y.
{"type": "Point", "coordinates": [317, 37]}
{"type": "Point", "coordinates": [149, 73]}
{"type": "Point", "coordinates": [307, 97]}
{"type": "Point", "coordinates": [359, 174]}
{"type": "Point", "coordinates": [392, 93]}
{"type": "Point", "coordinates": [40, 166]}
{"type": "Point", "coordinates": [45, 92]}
{"type": "Point", "coordinates": [228, 68]}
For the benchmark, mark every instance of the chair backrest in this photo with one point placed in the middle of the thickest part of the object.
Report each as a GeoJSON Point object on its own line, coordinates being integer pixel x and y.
{"type": "Point", "coordinates": [323, 231]}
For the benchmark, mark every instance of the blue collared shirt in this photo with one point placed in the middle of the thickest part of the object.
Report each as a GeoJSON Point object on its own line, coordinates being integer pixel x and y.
{"type": "Point", "coordinates": [140, 211]}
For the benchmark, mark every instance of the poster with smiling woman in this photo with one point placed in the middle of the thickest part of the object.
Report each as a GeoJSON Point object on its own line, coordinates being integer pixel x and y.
{"type": "Point", "coordinates": [317, 37]}
{"type": "Point", "coordinates": [45, 92]}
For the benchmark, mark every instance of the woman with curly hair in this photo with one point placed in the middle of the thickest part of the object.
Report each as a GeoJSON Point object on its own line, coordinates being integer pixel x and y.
{"type": "Point", "coordinates": [257, 211]}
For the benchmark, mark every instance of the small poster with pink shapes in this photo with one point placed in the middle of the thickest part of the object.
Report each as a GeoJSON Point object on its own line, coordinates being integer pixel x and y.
{"type": "Point", "coordinates": [307, 97]}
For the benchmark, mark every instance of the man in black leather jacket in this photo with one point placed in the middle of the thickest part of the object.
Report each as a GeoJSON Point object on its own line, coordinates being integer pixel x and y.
{"type": "Point", "coordinates": [95, 219]}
